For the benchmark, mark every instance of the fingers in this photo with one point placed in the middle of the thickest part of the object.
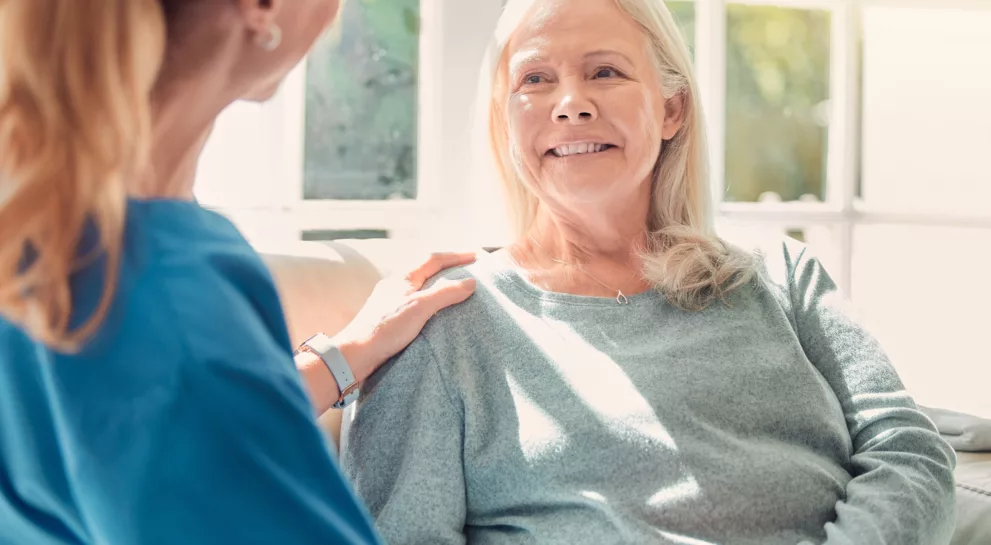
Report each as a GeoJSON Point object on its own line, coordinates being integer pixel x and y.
{"type": "Point", "coordinates": [442, 295]}
{"type": "Point", "coordinates": [434, 264]}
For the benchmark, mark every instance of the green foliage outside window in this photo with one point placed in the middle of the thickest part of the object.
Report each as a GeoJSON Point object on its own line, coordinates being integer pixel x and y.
{"type": "Point", "coordinates": [361, 123]}
{"type": "Point", "coordinates": [777, 85]}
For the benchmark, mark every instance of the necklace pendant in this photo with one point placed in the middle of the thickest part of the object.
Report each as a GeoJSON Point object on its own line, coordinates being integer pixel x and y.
{"type": "Point", "coordinates": [621, 298]}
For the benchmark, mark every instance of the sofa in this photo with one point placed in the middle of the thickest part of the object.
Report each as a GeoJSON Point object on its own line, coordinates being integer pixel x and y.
{"type": "Point", "coordinates": [324, 284]}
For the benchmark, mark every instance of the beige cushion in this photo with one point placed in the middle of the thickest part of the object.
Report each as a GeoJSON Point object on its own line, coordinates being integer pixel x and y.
{"type": "Point", "coordinates": [322, 286]}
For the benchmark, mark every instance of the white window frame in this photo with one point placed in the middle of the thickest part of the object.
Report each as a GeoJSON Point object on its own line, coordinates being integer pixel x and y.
{"type": "Point", "coordinates": [453, 37]}
{"type": "Point", "coordinates": [842, 210]}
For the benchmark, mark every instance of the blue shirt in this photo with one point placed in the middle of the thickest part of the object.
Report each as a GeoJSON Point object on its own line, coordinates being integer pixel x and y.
{"type": "Point", "coordinates": [183, 420]}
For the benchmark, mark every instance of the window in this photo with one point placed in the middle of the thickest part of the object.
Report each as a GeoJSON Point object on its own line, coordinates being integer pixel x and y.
{"type": "Point", "coordinates": [834, 123]}
{"type": "Point", "coordinates": [777, 103]}
{"type": "Point", "coordinates": [366, 137]}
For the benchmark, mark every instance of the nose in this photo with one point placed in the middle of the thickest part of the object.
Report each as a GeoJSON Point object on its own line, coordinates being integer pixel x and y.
{"type": "Point", "coordinates": [574, 107]}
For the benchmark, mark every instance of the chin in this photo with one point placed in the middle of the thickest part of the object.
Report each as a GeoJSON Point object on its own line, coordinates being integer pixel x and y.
{"type": "Point", "coordinates": [590, 187]}
{"type": "Point", "coordinates": [582, 192]}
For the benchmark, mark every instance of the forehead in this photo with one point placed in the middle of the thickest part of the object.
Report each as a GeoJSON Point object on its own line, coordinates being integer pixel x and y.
{"type": "Point", "coordinates": [559, 28]}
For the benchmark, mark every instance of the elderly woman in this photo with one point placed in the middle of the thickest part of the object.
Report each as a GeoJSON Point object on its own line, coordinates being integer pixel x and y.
{"type": "Point", "coordinates": [622, 375]}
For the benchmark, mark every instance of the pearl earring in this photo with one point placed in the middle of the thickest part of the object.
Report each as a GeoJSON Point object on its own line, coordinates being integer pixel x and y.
{"type": "Point", "coordinates": [270, 39]}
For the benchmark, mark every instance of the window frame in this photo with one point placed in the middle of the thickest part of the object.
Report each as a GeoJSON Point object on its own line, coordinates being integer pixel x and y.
{"type": "Point", "coordinates": [842, 209]}
{"type": "Point", "coordinates": [445, 96]}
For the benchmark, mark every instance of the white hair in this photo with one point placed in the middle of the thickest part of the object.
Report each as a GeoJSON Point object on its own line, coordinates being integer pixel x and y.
{"type": "Point", "coordinates": [684, 260]}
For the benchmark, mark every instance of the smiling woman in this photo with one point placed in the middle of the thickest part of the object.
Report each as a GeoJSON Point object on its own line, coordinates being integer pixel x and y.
{"type": "Point", "coordinates": [622, 375]}
{"type": "Point", "coordinates": [596, 87]}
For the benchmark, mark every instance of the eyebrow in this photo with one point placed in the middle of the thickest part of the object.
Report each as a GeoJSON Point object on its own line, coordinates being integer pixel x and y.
{"type": "Point", "coordinates": [607, 53]}
{"type": "Point", "coordinates": [535, 57]}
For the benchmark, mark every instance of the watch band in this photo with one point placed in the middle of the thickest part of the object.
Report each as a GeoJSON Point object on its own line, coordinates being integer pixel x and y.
{"type": "Point", "coordinates": [324, 347]}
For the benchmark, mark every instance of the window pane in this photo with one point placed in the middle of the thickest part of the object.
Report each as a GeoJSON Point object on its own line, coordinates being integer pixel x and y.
{"type": "Point", "coordinates": [361, 97]}
{"type": "Point", "coordinates": [926, 108]}
{"type": "Point", "coordinates": [777, 90]}
{"type": "Point", "coordinates": [920, 292]}
{"type": "Point", "coordinates": [684, 14]}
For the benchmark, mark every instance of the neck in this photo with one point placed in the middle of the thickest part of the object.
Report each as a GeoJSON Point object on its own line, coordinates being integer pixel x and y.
{"type": "Point", "coordinates": [610, 231]}
{"type": "Point", "coordinates": [593, 250]}
{"type": "Point", "coordinates": [181, 123]}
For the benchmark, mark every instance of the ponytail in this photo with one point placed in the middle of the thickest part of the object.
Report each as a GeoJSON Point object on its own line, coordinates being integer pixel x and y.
{"type": "Point", "coordinates": [75, 78]}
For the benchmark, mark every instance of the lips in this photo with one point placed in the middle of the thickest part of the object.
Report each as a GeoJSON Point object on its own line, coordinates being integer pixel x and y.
{"type": "Point", "coordinates": [581, 148]}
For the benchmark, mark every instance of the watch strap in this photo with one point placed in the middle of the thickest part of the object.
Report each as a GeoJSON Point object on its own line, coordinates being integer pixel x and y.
{"type": "Point", "coordinates": [332, 357]}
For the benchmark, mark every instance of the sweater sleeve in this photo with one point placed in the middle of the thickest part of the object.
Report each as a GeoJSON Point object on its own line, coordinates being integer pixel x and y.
{"type": "Point", "coordinates": [403, 447]}
{"type": "Point", "coordinates": [902, 489]}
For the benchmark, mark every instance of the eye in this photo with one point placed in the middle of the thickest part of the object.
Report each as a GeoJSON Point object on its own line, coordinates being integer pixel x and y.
{"type": "Point", "coordinates": [533, 79]}
{"type": "Point", "coordinates": [606, 72]}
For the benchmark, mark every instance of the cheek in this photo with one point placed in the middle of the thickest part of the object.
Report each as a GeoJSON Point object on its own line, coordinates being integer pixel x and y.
{"type": "Point", "coordinates": [639, 117]}
{"type": "Point", "coordinates": [523, 127]}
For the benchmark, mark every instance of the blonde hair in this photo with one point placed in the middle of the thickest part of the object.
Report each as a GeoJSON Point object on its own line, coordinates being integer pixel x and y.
{"type": "Point", "coordinates": [685, 260]}
{"type": "Point", "coordinates": [75, 122]}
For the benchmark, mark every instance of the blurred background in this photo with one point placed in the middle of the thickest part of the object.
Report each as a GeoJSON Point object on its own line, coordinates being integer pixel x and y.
{"type": "Point", "coordinates": [862, 127]}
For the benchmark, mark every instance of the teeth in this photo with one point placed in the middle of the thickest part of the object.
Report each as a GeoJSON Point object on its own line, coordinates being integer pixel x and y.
{"type": "Point", "coordinates": [577, 149]}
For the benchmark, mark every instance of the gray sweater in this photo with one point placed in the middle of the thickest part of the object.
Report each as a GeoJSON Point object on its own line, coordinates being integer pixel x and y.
{"type": "Point", "coordinates": [525, 416]}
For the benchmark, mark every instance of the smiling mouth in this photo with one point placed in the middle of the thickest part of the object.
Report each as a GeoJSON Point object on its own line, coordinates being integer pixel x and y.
{"type": "Point", "coordinates": [579, 149]}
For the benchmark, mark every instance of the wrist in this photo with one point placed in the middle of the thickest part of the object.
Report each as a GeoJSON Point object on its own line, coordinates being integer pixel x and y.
{"type": "Point", "coordinates": [357, 355]}
{"type": "Point", "coordinates": [319, 382]}
{"type": "Point", "coordinates": [329, 352]}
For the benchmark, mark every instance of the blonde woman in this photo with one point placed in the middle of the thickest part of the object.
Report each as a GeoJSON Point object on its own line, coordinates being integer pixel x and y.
{"type": "Point", "coordinates": [147, 387]}
{"type": "Point", "coordinates": [621, 374]}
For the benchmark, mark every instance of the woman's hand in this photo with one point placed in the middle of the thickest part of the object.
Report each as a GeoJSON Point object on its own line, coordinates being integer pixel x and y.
{"type": "Point", "coordinates": [392, 317]}
{"type": "Point", "coordinates": [397, 310]}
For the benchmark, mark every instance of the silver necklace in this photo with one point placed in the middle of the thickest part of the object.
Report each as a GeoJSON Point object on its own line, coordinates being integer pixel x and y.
{"type": "Point", "coordinates": [620, 296]}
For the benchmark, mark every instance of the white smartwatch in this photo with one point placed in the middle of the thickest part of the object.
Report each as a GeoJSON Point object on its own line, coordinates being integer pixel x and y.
{"type": "Point", "coordinates": [328, 352]}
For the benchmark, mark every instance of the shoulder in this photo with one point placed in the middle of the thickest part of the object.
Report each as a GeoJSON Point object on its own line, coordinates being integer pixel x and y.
{"type": "Point", "coordinates": [195, 266]}
{"type": "Point", "coordinates": [193, 328]}
{"type": "Point", "coordinates": [453, 334]}
{"type": "Point", "coordinates": [494, 288]}
{"type": "Point", "coordinates": [191, 297]}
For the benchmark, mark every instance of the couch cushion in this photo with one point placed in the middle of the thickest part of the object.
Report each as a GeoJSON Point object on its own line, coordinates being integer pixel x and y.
{"type": "Point", "coordinates": [322, 285]}
{"type": "Point", "coordinates": [973, 476]}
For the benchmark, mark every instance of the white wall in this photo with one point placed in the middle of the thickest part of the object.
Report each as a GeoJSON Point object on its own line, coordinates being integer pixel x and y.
{"type": "Point", "coordinates": [926, 145]}
{"type": "Point", "coordinates": [927, 108]}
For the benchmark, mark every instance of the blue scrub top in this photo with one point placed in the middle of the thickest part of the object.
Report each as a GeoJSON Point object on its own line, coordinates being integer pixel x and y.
{"type": "Point", "coordinates": [183, 420]}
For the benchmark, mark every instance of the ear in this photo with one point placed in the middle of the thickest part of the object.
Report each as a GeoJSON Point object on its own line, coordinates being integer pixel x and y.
{"type": "Point", "coordinates": [674, 116]}
{"type": "Point", "coordinates": [259, 15]}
